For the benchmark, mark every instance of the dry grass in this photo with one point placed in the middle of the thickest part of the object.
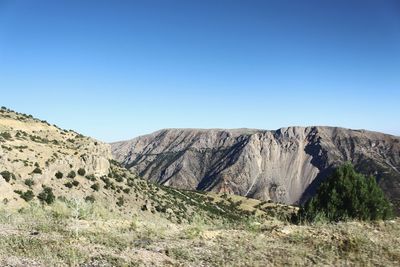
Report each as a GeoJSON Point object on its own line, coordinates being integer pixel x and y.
{"type": "Point", "coordinates": [82, 234]}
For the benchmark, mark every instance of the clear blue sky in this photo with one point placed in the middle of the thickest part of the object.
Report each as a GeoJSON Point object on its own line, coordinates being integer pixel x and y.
{"type": "Point", "coordinates": [117, 69]}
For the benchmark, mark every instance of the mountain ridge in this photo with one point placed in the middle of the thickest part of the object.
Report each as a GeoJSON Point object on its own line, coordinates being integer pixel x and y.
{"type": "Point", "coordinates": [251, 130]}
{"type": "Point", "coordinates": [284, 165]}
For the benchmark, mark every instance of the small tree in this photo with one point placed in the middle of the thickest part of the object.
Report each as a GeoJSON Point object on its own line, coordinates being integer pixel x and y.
{"type": "Point", "coordinates": [91, 177]}
{"type": "Point", "coordinates": [7, 175]}
{"type": "Point", "coordinates": [29, 182]}
{"type": "Point", "coordinates": [95, 187]}
{"type": "Point", "coordinates": [37, 170]}
{"type": "Point", "coordinates": [59, 175]}
{"type": "Point", "coordinates": [347, 194]}
{"type": "Point", "coordinates": [90, 199]}
{"type": "Point", "coordinates": [81, 172]}
{"type": "Point", "coordinates": [68, 184]}
{"type": "Point", "coordinates": [71, 174]}
{"type": "Point", "coordinates": [120, 201]}
{"type": "Point", "coordinates": [6, 135]}
{"type": "Point", "coordinates": [47, 195]}
{"type": "Point", "coordinates": [27, 196]}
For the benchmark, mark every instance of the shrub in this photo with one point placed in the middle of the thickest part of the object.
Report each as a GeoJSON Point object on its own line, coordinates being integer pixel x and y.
{"type": "Point", "coordinates": [119, 178]}
{"type": "Point", "coordinates": [59, 175]}
{"type": "Point", "coordinates": [7, 175]}
{"type": "Point", "coordinates": [95, 187]}
{"type": "Point", "coordinates": [81, 172]}
{"type": "Point", "coordinates": [347, 194]}
{"type": "Point", "coordinates": [47, 195]}
{"type": "Point", "coordinates": [90, 199]}
{"type": "Point", "coordinates": [6, 135]}
{"type": "Point", "coordinates": [71, 174]}
{"type": "Point", "coordinates": [120, 201]}
{"type": "Point", "coordinates": [37, 170]}
{"type": "Point", "coordinates": [75, 183]}
{"type": "Point", "coordinates": [29, 182]}
{"type": "Point", "coordinates": [68, 184]}
{"type": "Point", "coordinates": [91, 177]}
{"type": "Point", "coordinates": [27, 196]}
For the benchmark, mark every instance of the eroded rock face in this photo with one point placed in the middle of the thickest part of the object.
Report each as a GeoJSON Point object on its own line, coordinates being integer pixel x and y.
{"type": "Point", "coordinates": [285, 165]}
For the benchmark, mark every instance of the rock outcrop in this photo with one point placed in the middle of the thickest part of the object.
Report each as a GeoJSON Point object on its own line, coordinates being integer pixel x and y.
{"type": "Point", "coordinates": [285, 165]}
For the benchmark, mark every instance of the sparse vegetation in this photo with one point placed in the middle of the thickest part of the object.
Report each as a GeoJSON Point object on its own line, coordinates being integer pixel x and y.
{"type": "Point", "coordinates": [114, 239]}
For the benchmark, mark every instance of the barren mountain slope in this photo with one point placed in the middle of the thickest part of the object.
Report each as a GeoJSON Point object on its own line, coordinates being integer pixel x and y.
{"type": "Point", "coordinates": [285, 165]}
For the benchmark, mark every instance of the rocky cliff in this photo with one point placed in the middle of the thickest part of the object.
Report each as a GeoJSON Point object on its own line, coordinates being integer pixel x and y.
{"type": "Point", "coordinates": [285, 165]}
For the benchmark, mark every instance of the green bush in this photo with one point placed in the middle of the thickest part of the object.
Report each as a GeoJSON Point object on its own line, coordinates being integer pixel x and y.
{"type": "Point", "coordinates": [120, 201]}
{"type": "Point", "coordinates": [91, 177]}
{"type": "Point", "coordinates": [29, 182]}
{"type": "Point", "coordinates": [119, 178]}
{"type": "Point", "coordinates": [47, 195]}
{"type": "Point", "coordinates": [6, 135]}
{"type": "Point", "coordinates": [59, 175]}
{"type": "Point", "coordinates": [7, 175]}
{"type": "Point", "coordinates": [71, 174]}
{"type": "Point", "coordinates": [75, 183]}
{"type": "Point", "coordinates": [37, 170]}
{"type": "Point", "coordinates": [347, 194]}
{"type": "Point", "coordinates": [68, 184]}
{"type": "Point", "coordinates": [27, 196]}
{"type": "Point", "coordinates": [90, 199]}
{"type": "Point", "coordinates": [95, 187]}
{"type": "Point", "coordinates": [81, 172]}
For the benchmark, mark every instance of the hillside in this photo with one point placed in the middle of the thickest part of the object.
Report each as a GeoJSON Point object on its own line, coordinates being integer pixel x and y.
{"type": "Point", "coordinates": [36, 156]}
{"type": "Point", "coordinates": [285, 165]}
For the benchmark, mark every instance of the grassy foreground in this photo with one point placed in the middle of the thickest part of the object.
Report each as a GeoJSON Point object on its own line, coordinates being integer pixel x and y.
{"type": "Point", "coordinates": [77, 233]}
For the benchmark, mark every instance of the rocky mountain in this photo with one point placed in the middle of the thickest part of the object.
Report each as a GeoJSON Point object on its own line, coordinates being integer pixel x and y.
{"type": "Point", "coordinates": [285, 165]}
{"type": "Point", "coordinates": [42, 163]}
